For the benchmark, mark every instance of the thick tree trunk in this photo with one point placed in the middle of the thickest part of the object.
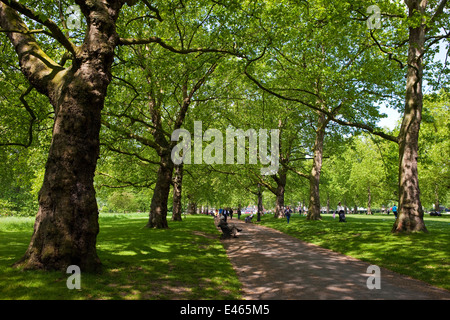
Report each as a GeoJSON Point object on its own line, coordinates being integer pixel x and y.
{"type": "Point", "coordinates": [279, 205]}
{"type": "Point", "coordinates": [410, 212]}
{"type": "Point", "coordinates": [158, 208]}
{"type": "Point", "coordinates": [177, 188]}
{"type": "Point", "coordinates": [66, 224]}
{"type": "Point", "coordinates": [314, 177]}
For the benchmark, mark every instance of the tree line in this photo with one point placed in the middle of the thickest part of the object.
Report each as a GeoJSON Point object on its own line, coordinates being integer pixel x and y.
{"type": "Point", "coordinates": [96, 101]}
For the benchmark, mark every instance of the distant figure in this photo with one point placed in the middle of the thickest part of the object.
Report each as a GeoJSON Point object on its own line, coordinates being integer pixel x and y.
{"type": "Point", "coordinates": [287, 213]}
{"type": "Point", "coordinates": [239, 213]}
{"type": "Point", "coordinates": [230, 212]}
{"type": "Point", "coordinates": [394, 211]}
{"type": "Point", "coordinates": [341, 211]}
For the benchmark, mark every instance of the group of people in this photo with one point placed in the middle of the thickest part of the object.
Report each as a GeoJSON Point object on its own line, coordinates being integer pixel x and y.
{"type": "Point", "coordinates": [340, 210]}
{"type": "Point", "coordinates": [227, 212]}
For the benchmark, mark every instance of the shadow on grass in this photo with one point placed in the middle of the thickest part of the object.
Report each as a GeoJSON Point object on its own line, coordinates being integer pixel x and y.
{"type": "Point", "coordinates": [186, 261]}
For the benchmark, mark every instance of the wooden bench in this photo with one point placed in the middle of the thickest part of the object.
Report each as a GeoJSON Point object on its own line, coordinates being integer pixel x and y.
{"type": "Point", "coordinates": [227, 230]}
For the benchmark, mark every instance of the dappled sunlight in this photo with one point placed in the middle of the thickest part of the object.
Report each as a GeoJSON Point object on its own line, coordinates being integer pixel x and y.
{"type": "Point", "coordinates": [186, 261]}
{"type": "Point", "coordinates": [272, 265]}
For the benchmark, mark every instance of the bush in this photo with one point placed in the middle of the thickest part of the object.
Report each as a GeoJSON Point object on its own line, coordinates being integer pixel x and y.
{"type": "Point", "coordinates": [122, 202]}
{"type": "Point", "coordinates": [7, 208]}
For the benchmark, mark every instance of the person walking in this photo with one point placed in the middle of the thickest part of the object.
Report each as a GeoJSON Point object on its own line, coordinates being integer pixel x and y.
{"type": "Point", "coordinates": [287, 213]}
{"type": "Point", "coordinates": [394, 210]}
{"type": "Point", "coordinates": [341, 211]}
{"type": "Point", "coordinates": [239, 213]}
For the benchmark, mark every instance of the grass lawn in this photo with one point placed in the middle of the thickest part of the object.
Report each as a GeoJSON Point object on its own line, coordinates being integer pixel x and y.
{"type": "Point", "coordinates": [186, 261]}
{"type": "Point", "coordinates": [423, 256]}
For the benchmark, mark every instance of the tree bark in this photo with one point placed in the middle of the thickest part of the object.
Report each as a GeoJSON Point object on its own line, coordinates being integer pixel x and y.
{"type": "Point", "coordinates": [260, 205]}
{"type": "Point", "coordinates": [410, 212]}
{"type": "Point", "coordinates": [314, 177]}
{"type": "Point", "coordinates": [158, 208]}
{"type": "Point", "coordinates": [279, 193]}
{"type": "Point", "coordinates": [66, 224]}
{"type": "Point", "coordinates": [177, 188]}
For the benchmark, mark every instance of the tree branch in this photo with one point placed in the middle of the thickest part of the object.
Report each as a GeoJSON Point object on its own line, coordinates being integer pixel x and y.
{"type": "Point", "coordinates": [136, 41]}
{"type": "Point", "coordinates": [132, 154]}
{"type": "Point", "coordinates": [55, 32]}
{"type": "Point", "coordinates": [37, 67]}
{"type": "Point", "coordinates": [153, 9]}
{"type": "Point", "coordinates": [437, 13]}
{"type": "Point", "coordinates": [32, 121]}
{"type": "Point", "coordinates": [136, 137]}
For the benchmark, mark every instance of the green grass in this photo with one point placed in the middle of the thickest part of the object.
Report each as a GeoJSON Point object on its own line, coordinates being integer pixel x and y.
{"type": "Point", "coordinates": [423, 256]}
{"type": "Point", "coordinates": [186, 261]}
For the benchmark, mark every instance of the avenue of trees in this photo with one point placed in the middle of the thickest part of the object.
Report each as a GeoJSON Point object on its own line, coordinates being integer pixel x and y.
{"type": "Point", "coordinates": [92, 90]}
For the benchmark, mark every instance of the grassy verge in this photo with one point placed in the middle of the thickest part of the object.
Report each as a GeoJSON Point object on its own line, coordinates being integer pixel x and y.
{"type": "Point", "coordinates": [186, 261]}
{"type": "Point", "coordinates": [423, 256]}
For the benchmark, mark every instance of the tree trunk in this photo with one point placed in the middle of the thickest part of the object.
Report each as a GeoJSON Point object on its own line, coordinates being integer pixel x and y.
{"type": "Point", "coordinates": [192, 206]}
{"type": "Point", "coordinates": [369, 201]}
{"type": "Point", "coordinates": [314, 178]}
{"type": "Point", "coordinates": [158, 208]}
{"type": "Point", "coordinates": [260, 205]}
{"type": "Point", "coordinates": [66, 224]}
{"type": "Point", "coordinates": [279, 193]}
{"type": "Point", "coordinates": [328, 203]}
{"type": "Point", "coordinates": [177, 188]}
{"type": "Point", "coordinates": [410, 212]}
{"type": "Point", "coordinates": [436, 198]}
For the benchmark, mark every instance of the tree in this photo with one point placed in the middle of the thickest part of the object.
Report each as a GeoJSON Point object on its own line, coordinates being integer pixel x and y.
{"type": "Point", "coordinates": [434, 150]}
{"type": "Point", "coordinates": [67, 221]}
{"type": "Point", "coordinates": [410, 218]}
{"type": "Point", "coordinates": [338, 79]}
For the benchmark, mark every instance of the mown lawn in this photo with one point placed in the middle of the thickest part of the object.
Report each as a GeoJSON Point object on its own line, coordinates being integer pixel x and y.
{"type": "Point", "coordinates": [186, 261]}
{"type": "Point", "coordinates": [423, 256]}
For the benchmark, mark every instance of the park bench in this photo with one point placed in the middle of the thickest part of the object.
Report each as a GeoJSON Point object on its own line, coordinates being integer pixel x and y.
{"type": "Point", "coordinates": [227, 230]}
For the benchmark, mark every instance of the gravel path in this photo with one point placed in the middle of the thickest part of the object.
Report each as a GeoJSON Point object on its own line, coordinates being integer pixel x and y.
{"type": "Point", "coordinates": [274, 266]}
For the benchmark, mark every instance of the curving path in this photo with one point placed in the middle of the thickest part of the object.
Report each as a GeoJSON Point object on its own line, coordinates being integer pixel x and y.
{"type": "Point", "coordinates": [274, 266]}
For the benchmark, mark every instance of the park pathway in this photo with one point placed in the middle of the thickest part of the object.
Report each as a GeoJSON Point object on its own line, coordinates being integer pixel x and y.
{"type": "Point", "coordinates": [274, 266]}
